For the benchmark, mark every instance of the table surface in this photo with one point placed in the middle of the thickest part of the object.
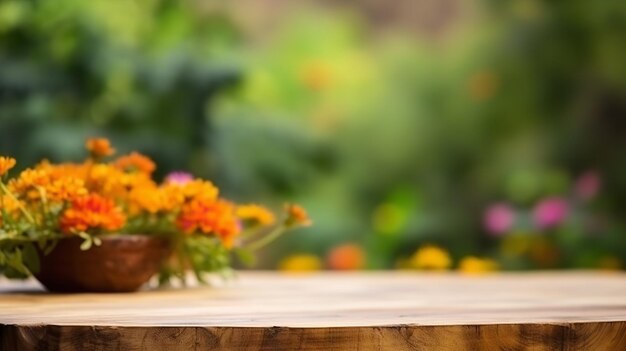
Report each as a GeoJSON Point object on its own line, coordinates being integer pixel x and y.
{"type": "Point", "coordinates": [539, 303]}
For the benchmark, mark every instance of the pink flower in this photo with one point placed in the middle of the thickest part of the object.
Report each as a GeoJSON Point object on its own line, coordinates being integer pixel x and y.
{"type": "Point", "coordinates": [587, 185]}
{"type": "Point", "coordinates": [550, 212]}
{"type": "Point", "coordinates": [179, 178]}
{"type": "Point", "coordinates": [499, 218]}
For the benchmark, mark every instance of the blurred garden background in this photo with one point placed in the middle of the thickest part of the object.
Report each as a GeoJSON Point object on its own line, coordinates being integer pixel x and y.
{"type": "Point", "coordinates": [434, 134]}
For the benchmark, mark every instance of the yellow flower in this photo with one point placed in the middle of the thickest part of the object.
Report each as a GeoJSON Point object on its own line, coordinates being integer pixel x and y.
{"type": "Point", "coordinates": [256, 213]}
{"type": "Point", "coordinates": [300, 263]}
{"type": "Point", "coordinates": [28, 181]}
{"type": "Point", "coordinates": [477, 265]}
{"type": "Point", "coordinates": [149, 199]}
{"type": "Point", "coordinates": [174, 198]}
{"type": "Point", "coordinates": [8, 203]}
{"type": "Point", "coordinates": [106, 179]}
{"type": "Point", "coordinates": [431, 257]}
{"type": "Point", "coordinates": [10, 206]}
{"type": "Point", "coordinates": [198, 189]}
{"type": "Point", "coordinates": [99, 147]}
{"type": "Point", "coordinates": [6, 163]}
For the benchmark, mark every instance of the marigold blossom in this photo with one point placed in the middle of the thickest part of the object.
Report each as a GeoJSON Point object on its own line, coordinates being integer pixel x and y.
{"type": "Point", "coordinates": [110, 181]}
{"type": "Point", "coordinates": [6, 163]}
{"type": "Point", "coordinates": [136, 162]}
{"type": "Point", "coordinates": [200, 189]}
{"type": "Point", "coordinates": [297, 215]}
{"type": "Point", "coordinates": [28, 182]}
{"type": "Point", "coordinates": [91, 212]}
{"type": "Point", "coordinates": [65, 189]}
{"type": "Point", "coordinates": [99, 147]}
{"type": "Point", "coordinates": [210, 217]}
{"type": "Point", "coordinates": [149, 199]}
{"type": "Point", "coordinates": [10, 206]}
{"type": "Point", "coordinates": [173, 196]}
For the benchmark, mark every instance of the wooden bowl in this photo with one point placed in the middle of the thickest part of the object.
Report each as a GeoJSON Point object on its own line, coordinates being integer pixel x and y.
{"type": "Point", "coordinates": [123, 263]}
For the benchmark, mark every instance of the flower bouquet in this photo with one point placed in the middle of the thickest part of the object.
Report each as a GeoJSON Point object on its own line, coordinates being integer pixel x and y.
{"type": "Point", "coordinates": [106, 225]}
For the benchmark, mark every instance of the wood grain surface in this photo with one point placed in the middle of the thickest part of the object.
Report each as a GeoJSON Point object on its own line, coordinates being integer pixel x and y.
{"type": "Point", "coordinates": [329, 311]}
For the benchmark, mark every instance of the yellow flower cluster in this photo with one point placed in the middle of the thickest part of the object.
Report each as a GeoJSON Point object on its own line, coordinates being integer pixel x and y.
{"type": "Point", "coordinates": [435, 258]}
{"type": "Point", "coordinates": [97, 196]}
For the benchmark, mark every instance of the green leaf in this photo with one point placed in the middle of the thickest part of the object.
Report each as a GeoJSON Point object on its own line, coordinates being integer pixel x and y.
{"type": "Point", "coordinates": [52, 244]}
{"type": "Point", "coordinates": [31, 258]}
{"type": "Point", "coordinates": [16, 262]}
{"type": "Point", "coordinates": [246, 257]}
{"type": "Point", "coordinates": [88, 241]}
{"type": "Point", "coordinates": [86, 245]}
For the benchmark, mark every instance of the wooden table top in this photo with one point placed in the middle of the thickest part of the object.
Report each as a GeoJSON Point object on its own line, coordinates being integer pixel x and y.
{"type": "Point", "coordinates": [364, 311]}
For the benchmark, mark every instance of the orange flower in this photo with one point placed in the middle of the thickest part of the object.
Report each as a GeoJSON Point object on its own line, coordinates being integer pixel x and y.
{"type": "Point", "coordinates": [346, 257]}
{"type": "Point", "coordinates": [91, 212]}
{"type": "Point", "coordinates": [6, 163]}
{"type": "Point", "coordinates": [136, 162]}
{"type": "Point", "coordinates": [99, 147]}
{"type": "Point", "coordinates": [296, 215]}
{"type": "Point", "coordinates": [257, 214]}
{"type": "Point", "coordinates": [66, 189]}
{"type": "Point", "coordinates": [210, 217]}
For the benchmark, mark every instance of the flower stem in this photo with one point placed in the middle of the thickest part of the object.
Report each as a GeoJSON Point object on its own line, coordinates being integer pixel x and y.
{"type": "Point", "coordinates": [44, 200]}
{"type": "Point", "coordinates": [19, 204]}
{"type": "Point", "coordinates": [273, 235]}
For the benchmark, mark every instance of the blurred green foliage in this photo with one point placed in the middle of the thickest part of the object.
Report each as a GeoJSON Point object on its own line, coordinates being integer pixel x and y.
{"type": "Point", "coordinates": [140, 73]}
{"type": "Point", "coordinates": [391, 139]}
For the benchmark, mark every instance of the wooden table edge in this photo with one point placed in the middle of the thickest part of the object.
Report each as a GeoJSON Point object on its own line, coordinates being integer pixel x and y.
{"type": "Point", "coordinates": [586, 335]}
